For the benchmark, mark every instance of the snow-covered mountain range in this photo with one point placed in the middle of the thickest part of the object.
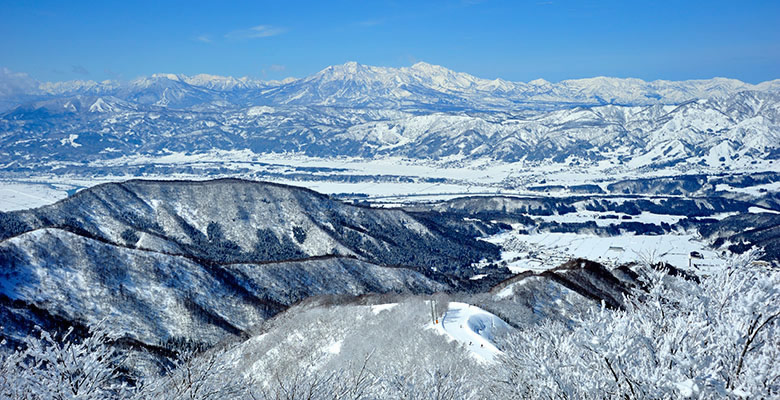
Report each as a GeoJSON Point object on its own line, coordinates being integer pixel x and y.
{"type": "Point", "coordinates": [353, 84]}
{"type": "Point", "coordinates": [420, 112]}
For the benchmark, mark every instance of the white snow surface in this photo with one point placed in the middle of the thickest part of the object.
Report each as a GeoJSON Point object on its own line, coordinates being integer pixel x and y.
{"type": "Point", "coordinates": [756, 210]}
{"type": "Point", "coordinates": [18, 195]}
{"type": "Point", "coordinates": [458, 178]}
{"type": "Point", "coordinates": [544, 250]}
{"type": "Point", "coordinates": [474, 328]}
{"type": "Point", "coordinates": [376, 309]}
{"type": "Point", "coordinates": [687, 387]}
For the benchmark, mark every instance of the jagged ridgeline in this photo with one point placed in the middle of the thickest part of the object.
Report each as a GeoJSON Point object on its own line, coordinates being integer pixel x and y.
{"type": "Point", "coordinates": [162, 260]}
{"type": "Point", "coordinates": [425, 112]}
{"type": "Point", "coordinates": [233, 221]}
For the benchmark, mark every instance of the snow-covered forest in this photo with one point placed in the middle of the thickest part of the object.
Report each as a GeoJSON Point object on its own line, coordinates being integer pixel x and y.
{"type": "Point", "coordinates": [713, 336]}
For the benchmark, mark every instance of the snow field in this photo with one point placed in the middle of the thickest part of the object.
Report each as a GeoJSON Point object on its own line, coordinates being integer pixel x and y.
{"type": "Point", "coordinates": [22, 195]}
{"type": "Point", "coordinates": [474, 328]}
{"type": "Point", "coordinates": [542, 251]}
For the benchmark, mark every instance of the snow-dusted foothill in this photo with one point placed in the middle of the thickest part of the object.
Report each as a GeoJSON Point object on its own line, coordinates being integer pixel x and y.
{"type": "Point", "coordinates": [170, 262]}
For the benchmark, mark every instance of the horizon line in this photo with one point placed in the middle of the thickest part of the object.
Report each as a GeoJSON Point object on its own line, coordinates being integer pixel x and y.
{"type": "Point", "coordinates": [25, 75]}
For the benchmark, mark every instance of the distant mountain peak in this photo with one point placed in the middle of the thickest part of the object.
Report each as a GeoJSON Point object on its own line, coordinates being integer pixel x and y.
{"type": "Point", "coordinates": [349, 66]}
{"type": "Point", "coordinates": [172, 77]}
{"type": "Point", "coordinates": [427, 67]}
{"type": "Point", "coordinates": [539, 82]}
{"type": "Point", "coordinates": [154, 79]}
{"type": "Point", "coordinates": [100, 105]}
{"type": "Point", "coordinates": [358, 85]}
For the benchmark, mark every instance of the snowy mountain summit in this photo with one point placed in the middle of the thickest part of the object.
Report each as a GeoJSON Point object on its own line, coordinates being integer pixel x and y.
{"type": "Point", "coordinates": [421, 81]}
{"type": "Point", "coordinates": [423, 111]}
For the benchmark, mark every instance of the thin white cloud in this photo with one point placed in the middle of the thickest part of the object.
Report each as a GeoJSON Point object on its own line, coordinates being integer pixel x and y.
{"type": "Point", "coordinates": [204, 39]}
{"type": "Point", "coordinates": [256, 32]}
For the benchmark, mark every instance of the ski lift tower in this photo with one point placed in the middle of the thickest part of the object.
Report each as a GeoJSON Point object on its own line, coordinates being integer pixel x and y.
{"type": "Point", "coordinates": [433, 312]}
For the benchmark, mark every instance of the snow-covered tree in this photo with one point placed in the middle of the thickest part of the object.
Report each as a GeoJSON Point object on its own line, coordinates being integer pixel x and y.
{"type": "Point", "coordinates": [306, 383]}
{"type": "Point", "coordinates": [714, 339]}
{"type": "Point", "coordinates": [195, 375]}
{"type": "Point", "coordinates": [50, 367]}
{"type": "Point", "coordinates": [447, 381]}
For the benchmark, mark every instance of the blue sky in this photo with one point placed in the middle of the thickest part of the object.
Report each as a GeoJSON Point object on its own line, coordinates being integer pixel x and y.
{"type": "Point", "coordinates": [515, 40]}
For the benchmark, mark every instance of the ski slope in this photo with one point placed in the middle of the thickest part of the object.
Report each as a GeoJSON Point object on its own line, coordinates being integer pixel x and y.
{"type": "Point", "coordinates": [474, 328]}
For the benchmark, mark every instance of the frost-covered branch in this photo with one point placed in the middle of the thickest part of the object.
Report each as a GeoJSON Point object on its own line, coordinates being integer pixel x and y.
{"type": "Point", "coordinates": [63, 367]}
{"type": "Point", "coordinates": [716, 338]}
